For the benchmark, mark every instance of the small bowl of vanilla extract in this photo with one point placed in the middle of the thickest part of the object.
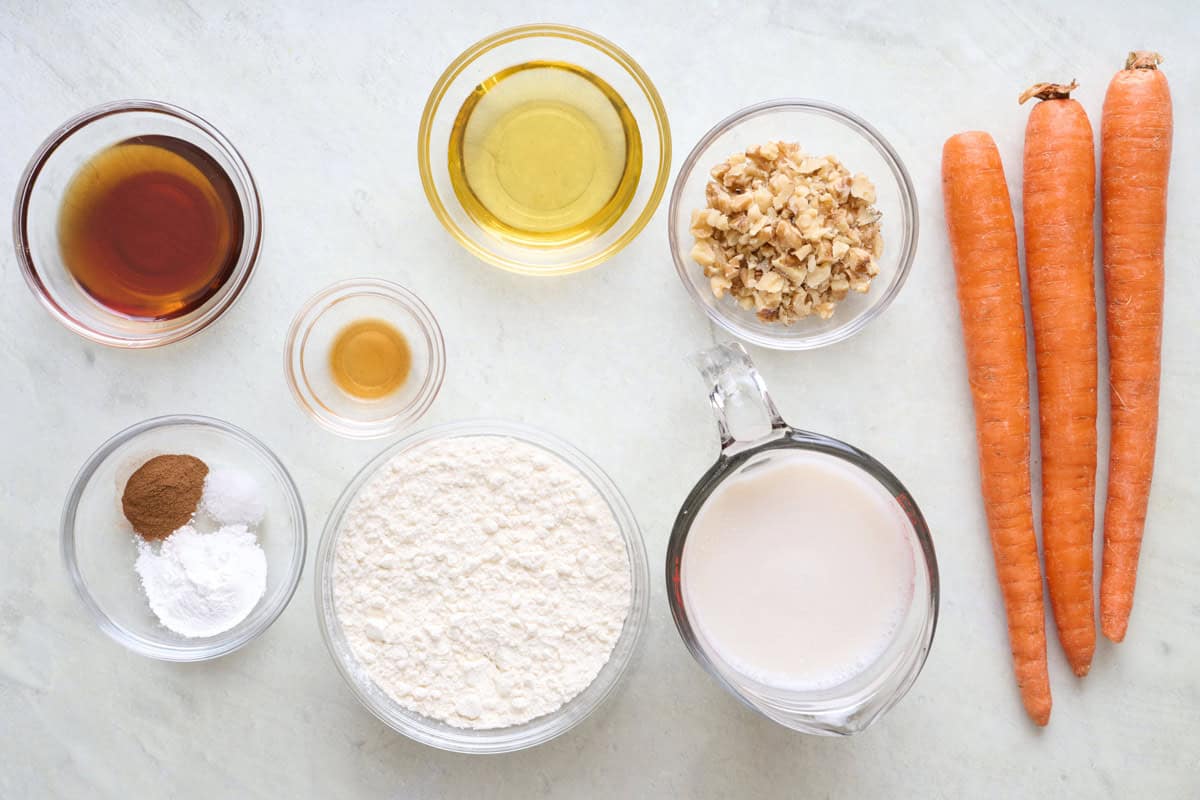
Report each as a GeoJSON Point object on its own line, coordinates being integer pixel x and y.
{"type": "Point", "coordinates": [365, 358]}
{"type": "Point", "coordinates": [137, 224]}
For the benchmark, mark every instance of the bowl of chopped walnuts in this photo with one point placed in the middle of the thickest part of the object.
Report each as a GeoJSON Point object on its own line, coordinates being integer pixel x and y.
{"type": "Point", "coordinates": [793, 224]}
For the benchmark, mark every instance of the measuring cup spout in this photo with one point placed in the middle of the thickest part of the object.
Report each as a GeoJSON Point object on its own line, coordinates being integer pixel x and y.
{"type": "Point", "coordinates": [744, 410]}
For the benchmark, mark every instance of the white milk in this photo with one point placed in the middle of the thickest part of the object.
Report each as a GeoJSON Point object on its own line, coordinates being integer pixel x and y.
{"type": "Point", "coordinates": [799, 571]}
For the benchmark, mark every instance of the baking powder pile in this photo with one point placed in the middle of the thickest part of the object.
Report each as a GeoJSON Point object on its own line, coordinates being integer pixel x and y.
{"type": "Point", "coordinates": [200, 584]}
{"type": "Point", "coordinates": [481, 581]}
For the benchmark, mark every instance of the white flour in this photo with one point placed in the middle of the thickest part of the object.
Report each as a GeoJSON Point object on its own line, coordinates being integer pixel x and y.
{"type": "Point", "coordinates": [481, 581]}
{"type": "Point", "coordinates": [201, 584]}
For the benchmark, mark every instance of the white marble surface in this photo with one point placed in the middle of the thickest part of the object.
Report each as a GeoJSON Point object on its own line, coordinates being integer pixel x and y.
{"type": "Point", "coordinates": [323, 102]}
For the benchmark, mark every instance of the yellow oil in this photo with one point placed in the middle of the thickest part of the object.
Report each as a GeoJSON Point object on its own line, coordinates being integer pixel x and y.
{"type": "Point", "coordinates": [545, 154]}
{"type": "Point", "coordinates": [369, 359]}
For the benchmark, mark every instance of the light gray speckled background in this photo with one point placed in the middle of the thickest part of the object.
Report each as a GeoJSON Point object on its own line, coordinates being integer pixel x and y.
{"type": "Point", "coordinates": [323, 101]}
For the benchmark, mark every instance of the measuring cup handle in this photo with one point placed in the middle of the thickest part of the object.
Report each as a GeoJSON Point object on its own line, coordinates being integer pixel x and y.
{"type": "Point", "coordinates": [744, 410]}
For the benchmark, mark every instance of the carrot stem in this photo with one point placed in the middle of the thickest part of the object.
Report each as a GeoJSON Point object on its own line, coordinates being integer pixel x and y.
{"type": "Point", "coordinates": [1048, 91]}
{"type": "Point", "coordinates": [1143, 59]}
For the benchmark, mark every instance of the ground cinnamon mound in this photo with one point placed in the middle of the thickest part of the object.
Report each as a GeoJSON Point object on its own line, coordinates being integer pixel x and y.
{"type": "Point", "coordinates": [163, 494]}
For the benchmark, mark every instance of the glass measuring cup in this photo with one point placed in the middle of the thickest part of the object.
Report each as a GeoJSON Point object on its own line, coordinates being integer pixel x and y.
{"type": "Point", "coordinates": [752, 433]}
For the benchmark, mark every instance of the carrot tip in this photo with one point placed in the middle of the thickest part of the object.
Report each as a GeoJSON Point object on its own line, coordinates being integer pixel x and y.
{"type": "Point", "coordinates": [1080, 658]}
{"type": "Point", "coordinates": [1038, 707]}
{"type": "Point", "coordinates": [1113, 624]}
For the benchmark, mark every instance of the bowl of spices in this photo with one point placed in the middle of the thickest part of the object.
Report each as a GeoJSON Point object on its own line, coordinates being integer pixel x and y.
{"type": "Point", "coordinates": [184, 537]}
{"type": "Point", "coordinates": [544, 149]}
{"type": "Point", "coordinates": [365, 357]}
{"type": "Point", "coordinates": [137, 224]}
{"type": "Point", "coordinates": [481, 586]}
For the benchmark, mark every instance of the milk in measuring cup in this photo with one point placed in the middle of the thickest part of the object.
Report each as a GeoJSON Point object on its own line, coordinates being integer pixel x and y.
{"type": "Point", "coordinates": [799, 570]}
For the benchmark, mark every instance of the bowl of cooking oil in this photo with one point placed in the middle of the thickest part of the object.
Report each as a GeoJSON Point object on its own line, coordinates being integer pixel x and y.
{"type": "Point", "coordinates": [137, 224]}
{"type": "Point", "coordinates": [544, 149]}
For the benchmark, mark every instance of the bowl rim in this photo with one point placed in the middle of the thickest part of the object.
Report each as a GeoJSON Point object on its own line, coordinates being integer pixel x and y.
{"type": "Point", "coordinates": [311, 311]}
{"type": "Point", "coordinates": [215, 646]}
{"type": "Point", "coordinates": [554, 724]}
{"type": "Point", "coordinates": [252, 219]}
{"type": "Point", "coordinates": [507, 36]}
{"type": "Point", "coordinates": [908, 203]}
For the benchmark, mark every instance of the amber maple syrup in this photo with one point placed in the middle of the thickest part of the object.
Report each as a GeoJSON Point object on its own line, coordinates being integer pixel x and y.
{"type": "Point", "coordinates": [151, 227]}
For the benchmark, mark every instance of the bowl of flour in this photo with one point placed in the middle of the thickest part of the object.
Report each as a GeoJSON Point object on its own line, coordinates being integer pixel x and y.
{"type": "Point", "coordinates": [481, 586]}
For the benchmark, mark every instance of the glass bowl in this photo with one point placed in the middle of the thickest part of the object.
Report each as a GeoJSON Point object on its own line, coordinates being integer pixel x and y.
{"type": "Point", "coordinates": [317, 324]}
{"type": "Point", "coordinates": [502, 740]}
{"type": "Point", "coordinates": [99, 549]}
{"type": "Point", "coordinates": [40, 194]}
{"type": "Point", "coordinates": [820, 128]}
{"type": "Point", "coordinates": [515, 46]}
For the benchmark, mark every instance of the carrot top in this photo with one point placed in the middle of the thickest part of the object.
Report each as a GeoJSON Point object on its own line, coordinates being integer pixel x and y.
{"type": "Point", "coordinates": [1143, 59]}
{"type": "Point", "coordinates": [1049, 91]}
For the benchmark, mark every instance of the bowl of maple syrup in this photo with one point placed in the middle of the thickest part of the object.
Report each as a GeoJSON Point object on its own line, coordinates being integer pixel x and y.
{"type": "Point", "coordinates": [137, 224]}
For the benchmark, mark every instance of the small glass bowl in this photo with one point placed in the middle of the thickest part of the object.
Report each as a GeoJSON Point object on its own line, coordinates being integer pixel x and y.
{"type": "Point", "coordinates": [99, 546]}
{"type": "Point", "coordinates": [514, 46]}
{"type": "Point", "coordinates": [317, 324]}
{"type": "Point", "coordinates": [501, 740]}
{"type": "Point", "coordinates": [40, 194]}
{"type": "Point", "coordinates": [819, 128]}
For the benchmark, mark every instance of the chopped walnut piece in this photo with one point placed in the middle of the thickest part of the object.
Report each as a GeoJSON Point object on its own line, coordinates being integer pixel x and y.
{"type": "Point", "coordinates": [787, 234]}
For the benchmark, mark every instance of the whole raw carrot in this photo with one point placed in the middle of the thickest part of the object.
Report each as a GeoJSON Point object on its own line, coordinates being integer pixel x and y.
{"type": "Point", "coordinates": [1059, 193]}
{"type": "Point", "coordinates": [1135, 137]}
{"type": "Point", "coordinates": [983, 239]}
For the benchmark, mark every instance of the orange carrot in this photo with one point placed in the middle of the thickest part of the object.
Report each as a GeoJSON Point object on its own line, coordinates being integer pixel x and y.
{"type": "Point", "coordinates": [1059, 201]}
{"type": "Point", "coordinates": [1135, 136]}
{"type": "Point", "coordinates": [983, 239]}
